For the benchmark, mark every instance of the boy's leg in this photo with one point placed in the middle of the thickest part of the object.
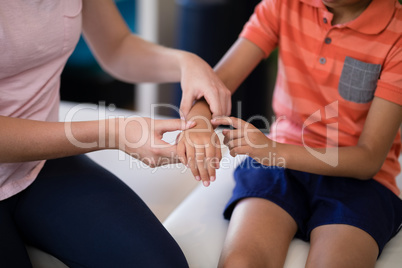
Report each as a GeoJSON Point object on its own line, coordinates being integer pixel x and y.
{"type": "Point", "coordinates": [340, 245]}
{"type": "Point", "coordinates": [259, 235]}
{"type": "Point", "coordinates": [351, 221]}
{"type": "Point", "coordinates": [86, 217]}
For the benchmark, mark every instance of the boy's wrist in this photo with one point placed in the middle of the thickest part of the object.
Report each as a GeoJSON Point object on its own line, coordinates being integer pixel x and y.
{"type": "Point", "coordinates": [201, 122]}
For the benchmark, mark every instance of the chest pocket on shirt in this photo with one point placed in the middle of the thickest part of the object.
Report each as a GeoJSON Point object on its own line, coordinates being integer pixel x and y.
{"type": "Point", "coordinates": [358, 80]}
{"type": "Point", "coordinates": [72, 8]}
{"type": "Point", "coordinates": [72, 24]}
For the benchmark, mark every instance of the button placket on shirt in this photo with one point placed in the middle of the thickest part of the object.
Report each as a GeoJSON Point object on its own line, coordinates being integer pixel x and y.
{"type": "Point", "coordinates": [327, 41]}
{"type": "Point", "coordinates": [326, 17]}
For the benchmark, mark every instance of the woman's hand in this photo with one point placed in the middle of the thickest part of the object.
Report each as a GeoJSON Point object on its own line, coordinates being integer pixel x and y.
{"type": "Point", "coordinates": [199, 80]}
{"type": "Point", "coordinates": [132, 59]}
{"type": "Point", "coordinates": [141, 138]}
{"type": "Point", "coordinates": [247, 139]}
{"type": "Point", "coordinates": [199, 148]}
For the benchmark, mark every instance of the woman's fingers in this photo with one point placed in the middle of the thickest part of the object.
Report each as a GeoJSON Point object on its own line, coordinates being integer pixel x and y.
{"type": "Point", "coordinates": [222, 105]}
{"type": "Point", "coordinates": [162, 126]}
{"type": "Point", "coordinates": [215, 104]}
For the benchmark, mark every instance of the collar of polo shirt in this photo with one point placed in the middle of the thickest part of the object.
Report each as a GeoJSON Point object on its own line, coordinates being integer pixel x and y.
{"type": "Point", "coordinates": [381, 10]}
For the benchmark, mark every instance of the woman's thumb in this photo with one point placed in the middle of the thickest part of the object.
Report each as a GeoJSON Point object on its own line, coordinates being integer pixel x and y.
{"type": "Point", "coordinates": [173, 124]}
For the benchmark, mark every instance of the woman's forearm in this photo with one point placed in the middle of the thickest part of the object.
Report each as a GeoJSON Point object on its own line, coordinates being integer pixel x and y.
{"type": "Point", "coordinates": [29, 140]}
{"type": "Point", "coordinates": [123, 54]}
{"type": "Point", "coordinates": [137, 60]}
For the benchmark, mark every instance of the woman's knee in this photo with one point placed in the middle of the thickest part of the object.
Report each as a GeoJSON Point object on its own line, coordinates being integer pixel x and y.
{"type": "Point", "coordinates": [152, 247]}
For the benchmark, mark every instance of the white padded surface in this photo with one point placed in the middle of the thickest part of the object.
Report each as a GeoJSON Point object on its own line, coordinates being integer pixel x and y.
{"type": "Point", "coordinates": [199, 228]}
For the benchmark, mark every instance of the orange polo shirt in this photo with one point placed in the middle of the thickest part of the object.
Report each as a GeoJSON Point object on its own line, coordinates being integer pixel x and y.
{"type": "Point", "coordinates": [329, 74]}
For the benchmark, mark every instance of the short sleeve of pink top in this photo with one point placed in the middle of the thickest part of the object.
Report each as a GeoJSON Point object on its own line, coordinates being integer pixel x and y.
{"type": "Point", "coordinates": [36, 37]}
{"type": "Point", "coordinates": [329, 74]}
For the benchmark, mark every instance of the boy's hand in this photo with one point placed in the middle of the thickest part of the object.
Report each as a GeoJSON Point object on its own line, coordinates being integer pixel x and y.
{"type": "Point", "coordinates": [246, 139]}
{"type": "Point", "coordinates": [199, 148]}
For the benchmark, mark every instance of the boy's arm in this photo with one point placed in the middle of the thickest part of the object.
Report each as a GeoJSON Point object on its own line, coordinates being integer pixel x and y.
{"type": "Point", "coordinates": [238, 62]}
{"type": "Point", "coordinates": [361, 161]}
{"type": "Point", "coordinates": [198, 146]}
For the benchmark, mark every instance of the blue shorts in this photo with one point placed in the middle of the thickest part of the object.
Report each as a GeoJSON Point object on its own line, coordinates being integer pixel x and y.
{"type": "Point", "coordinates": [313, 200]}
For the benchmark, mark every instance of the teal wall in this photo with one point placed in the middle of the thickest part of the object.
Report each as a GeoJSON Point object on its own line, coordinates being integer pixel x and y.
{"type": "Point", "coordinates": [82, 56]}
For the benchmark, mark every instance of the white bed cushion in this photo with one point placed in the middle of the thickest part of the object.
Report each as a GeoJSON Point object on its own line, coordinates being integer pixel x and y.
{"type": "Point", "coordinates": [199, 228]}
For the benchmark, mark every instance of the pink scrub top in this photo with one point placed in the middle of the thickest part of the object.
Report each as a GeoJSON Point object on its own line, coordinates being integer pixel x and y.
{"type": "Point", "coordinates": [36, 37]}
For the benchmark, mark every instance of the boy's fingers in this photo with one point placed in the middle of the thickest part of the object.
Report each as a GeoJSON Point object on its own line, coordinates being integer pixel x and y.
{"type": "Point", "coordinates": [232, 121]}
{"type": "Point", "coordinates": [240, 151]}
{"type": "Point", "coordinates": [181, 153]}
{"type": "Point", "coordinates": [201, 165]}
{"type": "Point", "coordinates": [233, 134]}
{"type": "Point", "coordinates": [191, 162]}
{"type": "Point", "coordinates": [209, 162]}
{"type": "Point", "coordinates": [218, 152]}
{"type": "Point", "coordinates": [238, 143]}
{"type": "Point", "coordinates": [218, 157]}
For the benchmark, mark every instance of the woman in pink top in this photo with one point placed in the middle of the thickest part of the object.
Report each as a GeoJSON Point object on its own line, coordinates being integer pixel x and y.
{"type": "Point", "coordinates": [69, 206]}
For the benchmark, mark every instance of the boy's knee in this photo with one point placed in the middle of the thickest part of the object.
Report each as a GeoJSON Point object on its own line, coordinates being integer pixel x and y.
{"type": "Point", "coordinates": [243, 259]}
